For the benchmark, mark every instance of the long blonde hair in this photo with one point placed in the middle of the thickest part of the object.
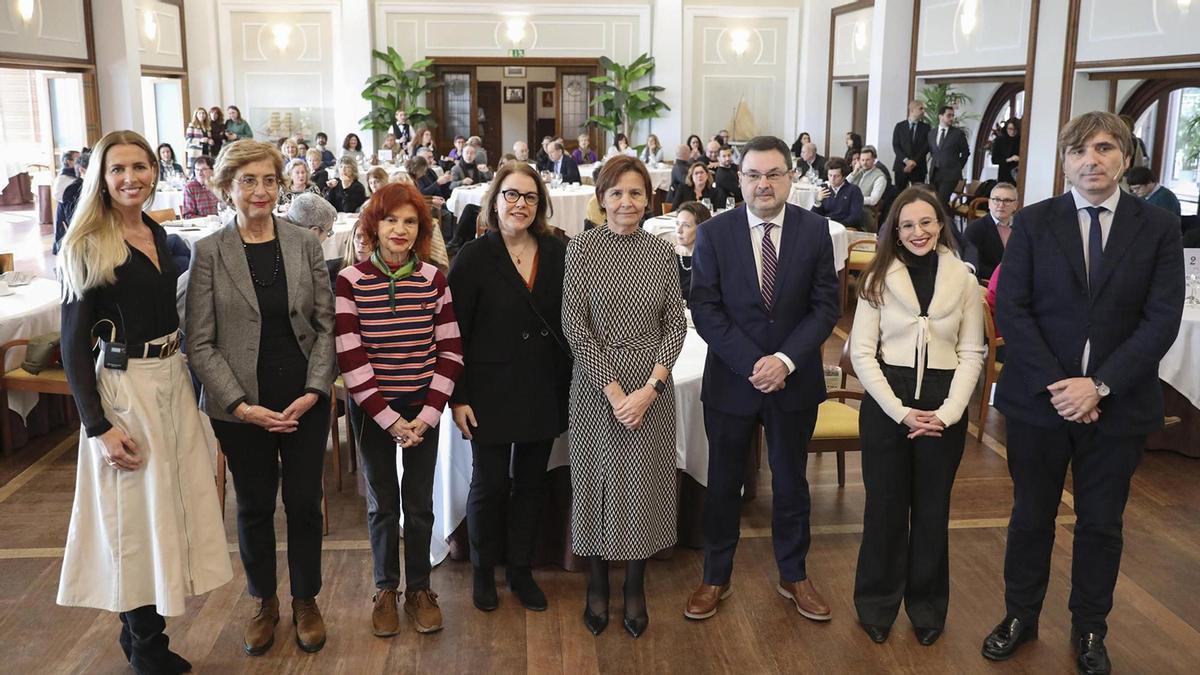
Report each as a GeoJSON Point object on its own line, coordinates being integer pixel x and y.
{"type": "Point", "coordinates": [94, 246]}
{"type": "Point", "coordinates": [205, 124]}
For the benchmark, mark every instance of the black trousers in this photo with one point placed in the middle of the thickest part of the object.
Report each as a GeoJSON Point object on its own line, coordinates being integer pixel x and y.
{"type": "Point", "coordinates": [788, 433]}
{"type": "Point", "coordinates": [256, 457]}
{"type": "Point", "coordinates": [1101, 469]}
{"type": "Point", "coordinates": [944, 182]}
{"type": "Point", "coordinates": [387, 496]}
{"type": "Point", "coordinates": [494, 496]}
{"type": "Point", "coordinates": [142, 639]}
{"type": "Point", "coordinates": [903, 180]}
{"type": "Point", "coordinates": [904, 553]}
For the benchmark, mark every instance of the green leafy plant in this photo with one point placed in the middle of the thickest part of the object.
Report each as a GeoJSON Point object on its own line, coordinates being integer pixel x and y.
{"type": "Point", "coordinates": [399, 87]}
{"type": "Point", "coordinates": [937, 95]}
{"type": "Point", "coordinates": [622, 105]}
{"type": "Point", "coordinates": [1189, 140]}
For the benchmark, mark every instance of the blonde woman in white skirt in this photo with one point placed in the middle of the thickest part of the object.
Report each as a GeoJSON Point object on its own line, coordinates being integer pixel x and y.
{"type": "Point", "coordinates": [146, 530]}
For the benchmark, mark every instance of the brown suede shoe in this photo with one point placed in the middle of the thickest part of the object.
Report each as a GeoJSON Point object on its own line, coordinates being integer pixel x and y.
{"type": "Point", "coordinates": [421, 606]}
{"type": "Point", "coordinates": [260, 634]}
{"type": "Point", "coordinates": [310, 627]}
{"type": "Point", "coordinates": [808, 601]}
{"type": "Point", "coordinates": [385, 618]}
{"type": "Point", "coordinates": [702, 603]}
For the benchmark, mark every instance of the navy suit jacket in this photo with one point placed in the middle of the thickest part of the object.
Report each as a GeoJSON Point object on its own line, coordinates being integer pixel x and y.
{"type": "Point", "coordinates": [1046, 313]}
{"type": "Point", "coordinates": [569, 170]}
{"type": "Point", "coordinates": [983, 237]}
{"type": "Point", "coordinates": [727, 308]}
{"type": "Point", "coordinates": [846, 207]}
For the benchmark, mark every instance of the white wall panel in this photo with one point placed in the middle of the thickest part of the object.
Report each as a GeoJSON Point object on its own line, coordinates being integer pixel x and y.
{"type": "Point", "coordinates": [1119, 29]}
{"type": "Point", "coordinates": [852, 42]}
{"type": "Point", "coordinates": [159, 34]}
{"type": "Point", "coordinates": [55, 29]}
{"type": "Point", "coordinates": [998, 34]}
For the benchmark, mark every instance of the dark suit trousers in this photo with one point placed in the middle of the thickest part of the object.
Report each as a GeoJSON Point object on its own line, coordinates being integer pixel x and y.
{"type": "Point", "coordinates": [495, 499]}
{"type": "Point", "coordinates": [903, 180]}
{"type": "Point", "coordinates": [257, 458]}
{"type": "Point", "coordinates": [944, 182]}
{"type": "Point", "coordinates": [788, 433]}
{"type": "Point", "coordinates": [387, 495]}
{"type": "Point", "coordinates": [904, 552]}
{"type": "Point", "coordinates": [1101, 469]}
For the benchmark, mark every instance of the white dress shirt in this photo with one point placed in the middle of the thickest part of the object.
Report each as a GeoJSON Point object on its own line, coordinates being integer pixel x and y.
{"type": "Point", "coordinates": [756, 241]}
{"type": "Point", "coordinates": [1085, 228]}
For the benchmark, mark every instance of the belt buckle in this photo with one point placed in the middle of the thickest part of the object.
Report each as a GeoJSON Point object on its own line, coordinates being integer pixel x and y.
{"type": "Point", "coordinates": [169, 349]}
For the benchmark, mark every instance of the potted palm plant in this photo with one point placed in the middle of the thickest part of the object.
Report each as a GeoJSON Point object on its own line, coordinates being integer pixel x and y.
{"type": "Point", "coordinates": [398, 87]}
{"type": "Point", "coordinates": [621, 103]}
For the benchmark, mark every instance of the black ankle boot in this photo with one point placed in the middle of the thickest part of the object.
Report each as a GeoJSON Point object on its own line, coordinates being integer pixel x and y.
{"type": "Point", "coordinates": [485, 589]}
{"type": "Point", "coordinates": [520, 582]}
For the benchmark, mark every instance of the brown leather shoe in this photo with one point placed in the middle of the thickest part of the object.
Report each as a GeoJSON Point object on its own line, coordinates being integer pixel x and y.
{"type": "Point", "coordinates": [702, 603]}
{"type": "Point", "coordinates": [310, 626]}
{"type": "Point", "coordinates": [385, 617]}
{"type": "Point", "coordinates": [421, 606]}
{"type": "Point", "coordinates": [808, 601]}
{"type": "Point", "coordinates": [260, 634]}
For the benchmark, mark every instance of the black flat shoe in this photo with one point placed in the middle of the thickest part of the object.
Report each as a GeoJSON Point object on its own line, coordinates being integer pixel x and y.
{"type": "Point", "coordinates": [636, 625]}
{"type": "Point", "coordinates": [927, 636]}
{"type": "Point", "coordinates": [878, 634]}
{"type": "Point", "coordinates": [1091, 657]}
{"type": "Point", "coordinates": [520, 582]}
{"type": "Point", "coordinates": [484, 595]}
{"type": "Point", "coordinates": [596, 623]}
{"type": "Point", "coordinates": [1005, 638]}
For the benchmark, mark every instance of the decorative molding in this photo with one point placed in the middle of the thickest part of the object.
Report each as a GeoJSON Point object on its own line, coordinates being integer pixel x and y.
{"type": "Point", "coordinates": [225, 12]}
{"type": "Point", "coordinates": [1067, 89]}
{"type": "Point", "coordinates": [833, 17]}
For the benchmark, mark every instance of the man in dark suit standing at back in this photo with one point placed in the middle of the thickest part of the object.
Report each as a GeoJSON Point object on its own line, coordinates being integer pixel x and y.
{"type": "Point", "coordinates": [1090, 300]}
{"type": "Point", "coordinates": [949, 150]}
{"type": "Point", "coordinates": [910, 142]}
{"type": "Point", "coordinates": [764, 297]}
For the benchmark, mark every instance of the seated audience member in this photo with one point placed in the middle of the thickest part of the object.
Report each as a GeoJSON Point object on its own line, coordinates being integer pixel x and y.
{"type": "Point", "coordinates": [680, 168]}
{"type": "Point", "coordinates": [1144, 184]}
{"type": "Point", "coordinates": [726, 176]}
{"type": "Point", "coordinates": [327, 158]}
{"type": "Point", "coordinates": [317, 215]}
{"type": "Point", "coordinates": [854, 161]}
{"type": "Point", "coordinates": [801, 140]}
{"type": "Point", "coordinates": [810, 163]}
{"type": "Point", "coordinates": [1191, 238]}
{"type": "Point", "coordinates": [318, 175]}
{"type": "Point", "coordinates": [688, 217]}
{"type": "Point", "coordinates": [427, 180]}
{"type": "Point", "coordinates": [620, 146]}
{"type": "Point", "coordinates": [854, 143]}
{"type": "Point", "coordinates": [986, 237]}
{"type": "Point", "coordinates": [558, 162]}
{"type": "Point", "coordinates": [352, 148]}
{"type": "Point", "coordinates": [698, 187]}
{"type": "Point", "coordinates": [544, 153]}
{"type": "Point", "coordinates": [456, 152]}
{"type": "Point", "coordinates": [423, 138]}
{"type": "Point", "coordinates": [653, 152]}
{"type": "Point", "coordinates": [583, 154]}
{"type": "Point", "coordinates": [521, 151]}
{"type": "Point", "coordinates": [467, 171]}
{"type": "Point", "coordinates": [377, 177]}
{"type": "Point", "coordinates": [481, 156]}
{"type": "Point", "coordinates": [198, 200]}
{"type": "Point", "coordinates": [290, 149]}
{"type": "Point", "coordinates": [296, 181]}
{"type": "Point", "coordinates": [345, 192]}
{"type": "Point", "coordinates": [870, 179]}
{"type": "Point", "coordinates": [695, 148]}
{"type": "Point", "coordinates": [167, 164]}
{"type": "Point", "coordinates": [70, 199]}
{"type": "Point", "coordinates": [236, 128]}
{"type": "Point", "coordinates": [841, 201]}
{"type": "Point", "coordinates": [67, 176]}
{"type": "Point", "coordinates": [712, 152]}
{"type": "Point", "coordinates": [391, 145]}
{"type": "Point", "coordinates": [505, 159]}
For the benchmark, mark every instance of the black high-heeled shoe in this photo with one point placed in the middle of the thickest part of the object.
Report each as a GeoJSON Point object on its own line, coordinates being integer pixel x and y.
{"type": "Point", "coordinates": [636, 625]}
{"type": "Point", "coordinates": [596, 623]}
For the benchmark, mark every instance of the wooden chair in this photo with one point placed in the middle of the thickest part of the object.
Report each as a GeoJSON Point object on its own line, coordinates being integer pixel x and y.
{"type": "Point", "coordinates": [837, 422]}
{"type": "Point", "coordinates": [161, 216]}
{"type": "Point", "coordinates": [340, 393]}
{"type": "Point", "coordinates": [861, 253]}
{"type": "Point", "coordinates": [667, 207]}
{"type": "Point", "coordinates": [991, 368]}
{"type": "Point", "coordinates": [49, 381]}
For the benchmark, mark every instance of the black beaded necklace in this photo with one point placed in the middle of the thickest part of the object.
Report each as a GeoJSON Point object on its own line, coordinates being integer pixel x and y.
{"type": "Point", "coordinates": [278, 260]}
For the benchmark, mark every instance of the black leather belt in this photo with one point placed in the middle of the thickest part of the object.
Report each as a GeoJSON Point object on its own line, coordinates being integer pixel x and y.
{"type": "Point", "coordinates": [147, 350]}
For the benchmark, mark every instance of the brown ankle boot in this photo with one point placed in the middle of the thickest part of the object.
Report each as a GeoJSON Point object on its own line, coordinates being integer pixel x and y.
{"type": "Point", "coordinates": [385, 617]}
{"type": "Point", "coordinates": [421, 606]}
{"type": "Point", "coordinates": [260, 634]}
{"type": "Point", "coordinates": [310, 627]}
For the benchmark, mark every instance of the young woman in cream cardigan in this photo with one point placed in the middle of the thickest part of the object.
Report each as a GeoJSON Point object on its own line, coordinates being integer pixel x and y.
{"type": "Point", "coordinates": [917, 347]}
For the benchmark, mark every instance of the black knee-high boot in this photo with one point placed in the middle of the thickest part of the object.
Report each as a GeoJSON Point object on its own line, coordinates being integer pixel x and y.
{"type": "Point", "coordinates": [146, 646]}
{"type": "Point", "coordinates": [595, 608]}
{"type": "Point", "coordinates": [636, 618]}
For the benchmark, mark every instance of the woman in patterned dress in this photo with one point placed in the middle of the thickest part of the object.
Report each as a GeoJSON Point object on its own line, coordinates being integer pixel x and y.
{"type": "Point", "coordinates": [623, 316]}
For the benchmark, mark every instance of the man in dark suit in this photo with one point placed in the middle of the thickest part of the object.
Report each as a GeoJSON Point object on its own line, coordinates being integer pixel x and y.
{"type": "Point", "coordinates": [986, 237]}
{"type": "Point", "coordinates": [70, 199]}
{"type": "Point", "coordinates": [841, 201]}
{"type": "Point", "coordinates": [559, 162]}
{"type": "Point", "coordinates": [726, 176]}
{"type": "Point", "coordinates": [1089, 302]}
{"type": "Point", "coordinates": [810, 160]}
{"type": "Point", "coordinates": [910, 142]}
{"type": "Point", "coordinates": [949, 151]}
{"type": "Point", "coordinates": [764, 297]}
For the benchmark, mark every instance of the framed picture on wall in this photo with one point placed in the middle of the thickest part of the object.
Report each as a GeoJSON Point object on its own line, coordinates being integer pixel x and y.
{"type": "Point", "coordinates": [547, 98]}
{"type": "Point", "coordinates": [514, 71]}
{"type": "Point", "coordinates": [514, 94]}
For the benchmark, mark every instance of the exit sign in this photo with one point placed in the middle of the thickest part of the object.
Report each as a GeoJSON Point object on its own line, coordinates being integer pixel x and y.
{"type": "Point", "coordinates": [516, 53]}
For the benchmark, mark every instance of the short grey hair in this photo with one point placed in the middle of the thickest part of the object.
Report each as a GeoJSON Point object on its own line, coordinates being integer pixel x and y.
{"type": "Point", "coordinates": [312, 211]}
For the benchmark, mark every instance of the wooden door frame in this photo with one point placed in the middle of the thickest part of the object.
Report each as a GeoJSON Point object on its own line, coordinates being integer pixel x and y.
{"type": "Point", "coordinates": [476, 130]}
{"type": "Point", "coordinates": [571, 141]}
{"type": "Point", "coordinates": [531, 87]}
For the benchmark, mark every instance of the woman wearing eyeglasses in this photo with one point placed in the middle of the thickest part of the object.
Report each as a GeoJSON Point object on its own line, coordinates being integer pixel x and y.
{"type": "Point", "coordinates": [260, 339]}
{"type": "Point", "coordinates": [511, 399]}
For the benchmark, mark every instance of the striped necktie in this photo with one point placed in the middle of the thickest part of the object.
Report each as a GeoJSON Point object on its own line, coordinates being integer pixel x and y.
{"type": "Point", "coordinates": [770, 260]}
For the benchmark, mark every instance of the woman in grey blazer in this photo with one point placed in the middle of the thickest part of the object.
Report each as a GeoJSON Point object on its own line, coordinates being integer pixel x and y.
{"type": "Point", "coordinates": [260, 339]}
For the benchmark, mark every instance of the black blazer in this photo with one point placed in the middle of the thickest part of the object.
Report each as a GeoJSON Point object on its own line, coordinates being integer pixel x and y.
{"type": "Point", "coordinates": [727, 182]}
{"type": "Point", "coordinates": [986, 247]}
{"type": "Point", "coordinates": [1046, 313]}
{"type": "Point", "coordinates": [517, 375]}
{"type": "Point", "coordinates": [951, 156]}
{"type": "Point", "coordinates": [347, 199]}
{"type": "Point", "coordinates": [686, 193]}
{"type": "Point", "coordinates": [818, 165]}
{"type": "Point", "coordinates": [906, 145]}
{"type": "Point", "coordinates": [1003, 147]}
{"type": "Point", "coordinates": [428, 185]}
{"type": "Point", "coordinates": [569, 170]}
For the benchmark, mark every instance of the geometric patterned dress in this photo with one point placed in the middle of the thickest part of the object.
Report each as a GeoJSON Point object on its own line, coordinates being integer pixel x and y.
{"type": "Point", "coordinates": [622, 313]}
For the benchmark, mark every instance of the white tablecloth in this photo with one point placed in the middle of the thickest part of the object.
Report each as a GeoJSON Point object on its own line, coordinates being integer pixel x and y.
{"type": "Point", "coordinates": [569, 202]}
{"type": "Point", "coordinates": [167, 199]}
{"type": "Point", "coordinates": [195, 229]}
{"type": "Point", "coordinates": [803, 195]}
{"type": "Point", "coordinates": [30, 310]}
{"type": "Point", "coordinates": [452, 477]}
{"type": "Point", "coordinates": [660, 176]}
{"type": "Point", "coordinates": [664, 228]}
{"type": "Point", "coordinates": [1180, 367]}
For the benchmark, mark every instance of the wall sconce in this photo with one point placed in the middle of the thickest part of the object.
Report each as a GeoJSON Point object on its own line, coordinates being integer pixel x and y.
{"type": "Point", "coordinates": [282, 34]}
{"type": "Point", "coordinates": [969, 16]}
{"type": "Point", "coordinates": [25, 9]}
{"type": "Point", "coordinates": [739, 41]}
{"type": "Point", "coordinates": [515, 30]}
{"type": "Point", "coordinates": [149, 24]}
{"type": "Point", "coordinates": [860, 36]}
{"type": "Point", "coordinates": [1184, 5]}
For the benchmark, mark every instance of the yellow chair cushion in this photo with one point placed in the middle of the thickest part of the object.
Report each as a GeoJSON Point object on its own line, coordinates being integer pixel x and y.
{"type": "Point", "coordinates": [861, 258]}
{"type": "Point", "coordinates": [49, 374]}
{"type": "Point", "coordinates": [836, 420]}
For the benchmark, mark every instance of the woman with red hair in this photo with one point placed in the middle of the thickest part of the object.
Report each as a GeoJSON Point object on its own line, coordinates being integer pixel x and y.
{"type": "Point", "coordinates": [399, 351]}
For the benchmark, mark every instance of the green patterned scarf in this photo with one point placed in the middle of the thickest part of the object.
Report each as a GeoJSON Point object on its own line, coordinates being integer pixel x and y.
{"type": "Point", "coordinates": [404, 272]}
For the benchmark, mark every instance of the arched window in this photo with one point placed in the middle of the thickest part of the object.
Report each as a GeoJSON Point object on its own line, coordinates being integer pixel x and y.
{"type": "Point", "coordinates": [1164, 110]}
{"type": "Point", "coordinates": [1007, 103]}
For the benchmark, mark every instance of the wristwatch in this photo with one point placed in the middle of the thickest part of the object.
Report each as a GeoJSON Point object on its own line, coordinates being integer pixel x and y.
{"type": "Point", "coordinates": [659, 385]}
{"type": "Point", "coordinates": [1101, 388]}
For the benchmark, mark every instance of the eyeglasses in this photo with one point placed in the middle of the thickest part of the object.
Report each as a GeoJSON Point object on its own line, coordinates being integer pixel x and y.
{"type": "Point", "coordinates": [511, 196]}
{"type": "Point", "coordinates": [1003, 201]}
{"type": "Point", "coordinates": [252, 182]}
{"type": "Point", "coordinates": [774, 176]}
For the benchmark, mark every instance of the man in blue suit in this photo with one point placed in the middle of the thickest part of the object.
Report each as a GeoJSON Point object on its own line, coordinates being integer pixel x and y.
{"type": "Point", "coordinates": [1089, 302]}
{"type": "Point", "coordinates": [764, 297]}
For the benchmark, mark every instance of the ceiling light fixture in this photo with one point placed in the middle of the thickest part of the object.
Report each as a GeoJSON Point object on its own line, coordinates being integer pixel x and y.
{"type": "Point", "coordinates": [739, 41]}
{"type": "Point", "coordinates": [515, 30]}
{"type": "Point", "coordinates": [149, 24]}
{"type": "Point", "coordinates": [25, 9]}
{"type": "Point", "coordinates": [969, 16]}
{"type": "Point", "coordinates": [282, 34]}
{"type": "Point", "coordinates": [860, 36]}
{"type": "Point", "coordinates": [1184, 5]}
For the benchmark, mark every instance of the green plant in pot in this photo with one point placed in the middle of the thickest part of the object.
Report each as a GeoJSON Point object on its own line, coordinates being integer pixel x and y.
{"type": "Point", "coordinates": [621, 103]}
{"type": "Point", "coordinates": [398, 87]}
{"type": "Point", "coordinates": [936, 96]}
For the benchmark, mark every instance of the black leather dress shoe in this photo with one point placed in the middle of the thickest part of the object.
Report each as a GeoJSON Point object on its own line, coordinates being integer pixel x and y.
{"type": "Point", "coordinates": [636, 625]}
{"type": "Point", "coordinates": [927, 636]}
{"type": "Point", "coordinates": [520, 582]}
{"type": "Point", "coordinates": [484, 594]}
{"type": "Point", "coordinates": [596, 623]}
{"type": "Point", "coordinates": [1091, 658]}
{"type": "Point", "coordinates": [878, 634]}
{"type": "Point", "coordinates": [1005, 638]}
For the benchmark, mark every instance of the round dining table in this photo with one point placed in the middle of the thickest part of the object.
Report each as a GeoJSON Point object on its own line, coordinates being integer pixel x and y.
{"type": "Point", "coordinates": [192, 230]}
{"type": "Point", "coordinates": [27, 311]}
{"type": "Point", "coordinates": [664, 228]}
{"type": "Point", "coordinates": [569, 202]}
